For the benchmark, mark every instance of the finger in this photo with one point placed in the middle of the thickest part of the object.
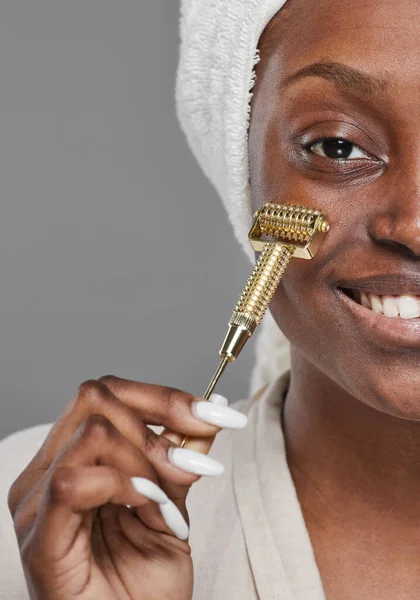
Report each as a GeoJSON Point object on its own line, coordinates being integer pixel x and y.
{"type": "Point", "coordinates": [94, 397]}
{"type": "Point", "coordinates": [198, 444]}
{"type": "Point", "coordinates": [175, 478]}
{"type": "Point", "coordinates": [72, 492]}
{"type": "Point", "coordinates": [174, 409]}
{"type": "Point", "coordinates": [150, 404]}
{"type": "Point", "coordinates": [30, 484]}
{"type": "Point", "coordinates": [98, 442]}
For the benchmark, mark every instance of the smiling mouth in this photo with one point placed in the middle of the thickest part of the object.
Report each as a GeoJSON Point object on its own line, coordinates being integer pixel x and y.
{"type": "Point", "coordinates": [403, 307]}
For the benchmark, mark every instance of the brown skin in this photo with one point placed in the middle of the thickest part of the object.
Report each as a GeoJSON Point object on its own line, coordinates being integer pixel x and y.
{"type": "Point", "coordinates": [77, 537]}
{"type": "Point", "coordinates": [352, 413]}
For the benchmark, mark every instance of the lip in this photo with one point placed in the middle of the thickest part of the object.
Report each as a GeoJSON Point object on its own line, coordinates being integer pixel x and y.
{"type": "Point", "coordinates": [386, 284]}
{"type": "Point", "coordinates": [393, 332]}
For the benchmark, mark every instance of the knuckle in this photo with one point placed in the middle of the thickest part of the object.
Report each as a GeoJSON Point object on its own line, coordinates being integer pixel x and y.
{"type": "Point", "coordinates": [192, 478]}
{"type": "Point", "coordinates": [90, 393]}
{"type": "Point", "coordinates": [98, 429]}
{"type": "Point", "coordinates": [13, 497]}
{"type": "Point", "coordinates": [110, 380]}
{"type": "Point", "coordinates": [170, 399]}
{"type": "Point", "coordinates": [61, 484]}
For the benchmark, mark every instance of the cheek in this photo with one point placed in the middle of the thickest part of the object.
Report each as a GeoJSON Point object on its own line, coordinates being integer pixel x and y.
{"type": "Point", "coordinates": [299, 306]}
{"type": "Point", "coordinates": [306, 312]}
{"type": "Point", "coordinates": [306, 308]}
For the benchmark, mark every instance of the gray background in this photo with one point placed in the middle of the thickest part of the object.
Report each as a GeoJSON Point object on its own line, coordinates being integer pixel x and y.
{"type": "Point", "coordinates": [115, 252]}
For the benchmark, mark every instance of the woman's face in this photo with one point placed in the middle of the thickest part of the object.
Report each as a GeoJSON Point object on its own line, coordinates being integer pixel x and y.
{"type": "Point", "coordinates": [347, 73]}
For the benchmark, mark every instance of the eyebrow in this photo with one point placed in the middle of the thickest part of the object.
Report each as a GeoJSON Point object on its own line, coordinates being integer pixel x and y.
{"type": "Point", "coordinates": [347, 77]}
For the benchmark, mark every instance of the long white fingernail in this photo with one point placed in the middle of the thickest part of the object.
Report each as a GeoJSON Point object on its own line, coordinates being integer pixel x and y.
{"type": "Point", "coordinates": [218, 399]}
{"type": "Point", "coordinates": [149, 489]}
{"type": "Point", "coordinates": [222, 416]}
{"type": "Point", "coordinates": [174, 520]}
{"type": "Point", "coordinates": [194, 462]}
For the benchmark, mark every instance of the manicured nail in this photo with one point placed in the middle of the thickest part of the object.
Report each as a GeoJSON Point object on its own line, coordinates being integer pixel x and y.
{"type": "Point", "coordinates": [174, 520]}
{"type": "Point", "coordinates": [222, 416]}
{"type": "Point", "coordinates": [218, 399]}
{"type": "Point", "coordinates": [149, 489]}
{"type": "Point", "coordinates": [194, 462]}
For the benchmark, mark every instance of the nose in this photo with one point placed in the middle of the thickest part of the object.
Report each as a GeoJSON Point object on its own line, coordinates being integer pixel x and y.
{"type": "Point", "coordinates": [398, 224]}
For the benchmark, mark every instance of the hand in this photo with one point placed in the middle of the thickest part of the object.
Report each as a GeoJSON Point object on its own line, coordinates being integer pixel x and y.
{"type": "Point", "coordinates": [77, 537]}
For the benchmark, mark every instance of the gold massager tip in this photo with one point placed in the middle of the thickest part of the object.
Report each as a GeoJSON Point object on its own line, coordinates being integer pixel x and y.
{"type": "Point", "coordinates": [297, 232]}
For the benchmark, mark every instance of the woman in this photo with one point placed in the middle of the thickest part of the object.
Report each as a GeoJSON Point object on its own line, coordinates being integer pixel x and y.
{"type": "Point", "coordinates": [334, 125]}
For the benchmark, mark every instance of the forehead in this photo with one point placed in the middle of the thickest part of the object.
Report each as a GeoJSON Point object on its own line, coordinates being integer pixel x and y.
{"type": "Point", "coordinates": [381, 37]}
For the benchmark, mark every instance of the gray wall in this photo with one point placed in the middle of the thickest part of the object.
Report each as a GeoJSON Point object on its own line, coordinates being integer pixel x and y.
{"type": "Point", "coordinates": [115, 252]}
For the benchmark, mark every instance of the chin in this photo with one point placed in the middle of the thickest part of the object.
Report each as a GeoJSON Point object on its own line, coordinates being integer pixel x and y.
{"type": "Point", "coordinates": [402, 405]}
{"type": "Point", "coordinates": [390, 388]}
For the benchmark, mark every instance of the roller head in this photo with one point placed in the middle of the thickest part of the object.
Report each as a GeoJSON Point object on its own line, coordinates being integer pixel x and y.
{"type": "Point", "coordinates": [296, 227]}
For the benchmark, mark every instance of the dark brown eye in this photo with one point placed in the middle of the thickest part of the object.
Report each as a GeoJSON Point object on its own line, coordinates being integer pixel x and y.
{"type": "Point", "coordinates": [338, 149]}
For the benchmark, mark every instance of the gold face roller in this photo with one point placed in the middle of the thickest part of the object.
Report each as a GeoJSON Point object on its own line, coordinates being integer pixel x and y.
{"type": "Point", "coordinates": [297, 232]}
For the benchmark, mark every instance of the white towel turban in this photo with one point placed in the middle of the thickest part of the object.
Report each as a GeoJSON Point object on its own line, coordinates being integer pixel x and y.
{"type": "Point", "coordinates": [215, 77]}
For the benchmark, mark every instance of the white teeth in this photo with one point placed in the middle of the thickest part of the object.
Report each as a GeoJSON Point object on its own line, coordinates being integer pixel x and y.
{"type": "Point", "coordinates": [390, 305]}
{"type": "Point", "coordinates": [364, 300]}
{"type": "Point", "coordinates": [376, 303]}
{"type": "Point", "coordinates": [409, 307]}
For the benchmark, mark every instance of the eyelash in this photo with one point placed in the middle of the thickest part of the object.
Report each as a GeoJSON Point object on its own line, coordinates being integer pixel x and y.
{"type": "Point", "coordinates": [311, 145]}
